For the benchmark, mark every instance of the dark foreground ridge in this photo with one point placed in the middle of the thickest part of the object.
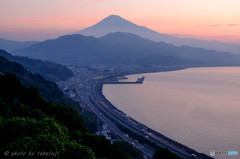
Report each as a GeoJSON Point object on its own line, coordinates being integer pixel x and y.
{"type": "Point", "coordinates": [132, 131]}
{"type": "Point", "coordinates": [32, 127]}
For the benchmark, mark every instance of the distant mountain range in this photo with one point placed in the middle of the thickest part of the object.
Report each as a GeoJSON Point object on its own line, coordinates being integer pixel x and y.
{"type": "Point", "coordinates": [10, 45]}
{"type": "Point", "coordinates": [124, 48]}
{"type": "Point", "coordinates": [50, 71]}
{"type": "Point", "coordinates": [115, 23]}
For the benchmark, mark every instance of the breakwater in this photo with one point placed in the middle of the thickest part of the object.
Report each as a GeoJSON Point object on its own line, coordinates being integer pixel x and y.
{"type": "Point", "coordinates": [138, 127]}
{"type": "Point", "coordinates": [115, 80]}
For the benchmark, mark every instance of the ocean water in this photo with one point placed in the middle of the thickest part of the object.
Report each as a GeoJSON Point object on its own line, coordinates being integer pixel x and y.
{"type": "Point", "coordinates": [198, 107]}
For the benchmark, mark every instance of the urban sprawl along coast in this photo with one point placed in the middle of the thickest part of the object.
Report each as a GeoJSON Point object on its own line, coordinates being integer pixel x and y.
{"type": "Point", "coordinates": [86, 87]}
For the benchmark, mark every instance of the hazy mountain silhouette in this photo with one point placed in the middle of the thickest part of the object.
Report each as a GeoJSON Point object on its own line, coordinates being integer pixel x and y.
{"type": "Point", "coordinates": [10, 45]}
{"type": "Point", "coordinates": [123, 48]}
{"type": "Point", "coordinates": [115, 23]}
{"type": "Point", "coordinates": [72, 49]}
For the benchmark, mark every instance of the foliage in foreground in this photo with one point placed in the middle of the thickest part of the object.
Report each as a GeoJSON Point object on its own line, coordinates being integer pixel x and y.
{"type": "Point", "coordinates": [29, 123]}
{"type": "Point", "coordinates": [164, 153]}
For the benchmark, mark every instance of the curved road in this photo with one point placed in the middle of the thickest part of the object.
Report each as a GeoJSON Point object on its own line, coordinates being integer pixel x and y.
{"type": "Point", "coordinates": [113, 117]}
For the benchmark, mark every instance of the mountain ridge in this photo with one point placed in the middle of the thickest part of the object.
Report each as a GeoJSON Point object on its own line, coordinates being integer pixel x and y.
{"type": "Point", "coordinates": [115, 23]}
{"type": "Point", "coordinates": [123, 48]}
{"type": "Point", "coordinates": [50, 71]}
{"type": "Point", "coordinates": [11, 45]}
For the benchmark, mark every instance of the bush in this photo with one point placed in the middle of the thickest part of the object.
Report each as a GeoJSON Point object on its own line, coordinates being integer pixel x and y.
{"type": "Point", "coordinates": [164, 153]}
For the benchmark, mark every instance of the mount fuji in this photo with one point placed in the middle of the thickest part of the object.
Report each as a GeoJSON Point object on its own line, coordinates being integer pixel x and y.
{"type": "Point", "coordinates": [115, 23]}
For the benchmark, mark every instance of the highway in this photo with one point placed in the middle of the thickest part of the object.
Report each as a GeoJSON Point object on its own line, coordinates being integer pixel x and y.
{"type": "Point", "coordinates": [94, 106]}
{"type": "Point", "coordinates": [114, 117]}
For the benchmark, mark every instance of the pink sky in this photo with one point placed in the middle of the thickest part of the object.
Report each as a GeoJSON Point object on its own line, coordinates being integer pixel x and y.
{"type": "Point", "coordinates": [42, 19]}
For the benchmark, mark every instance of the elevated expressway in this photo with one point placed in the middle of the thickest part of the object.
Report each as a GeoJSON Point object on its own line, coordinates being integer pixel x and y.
{"type": "Point", "coordinates": [115, 118]}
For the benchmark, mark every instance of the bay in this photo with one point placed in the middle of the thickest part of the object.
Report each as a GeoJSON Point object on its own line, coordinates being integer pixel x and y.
{"type": "Point", "coordinates": [198, 107]}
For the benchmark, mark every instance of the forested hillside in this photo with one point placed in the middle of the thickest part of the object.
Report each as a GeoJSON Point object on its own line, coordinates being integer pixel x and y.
{"type": "Point", "coordinates": [50, 71]}
{"type": "Point", "coordinates": [48, 89]}
{"type": "Point", "coordinates": [29, 123]}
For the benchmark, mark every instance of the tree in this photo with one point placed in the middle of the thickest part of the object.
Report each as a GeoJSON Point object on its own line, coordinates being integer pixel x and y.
{"type": "Point", "coordinates": [164, 154]}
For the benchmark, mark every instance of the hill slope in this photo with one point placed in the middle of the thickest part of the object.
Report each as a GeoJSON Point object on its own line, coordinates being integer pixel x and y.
{"type": "Point", "coordinates": [49, 90]}
{"type": "Point", "coordinates": [50, 71]}
{"type": "Point", "coordinates": [115, 23]}
{"type": "Point", "coordinates": [28, 123]}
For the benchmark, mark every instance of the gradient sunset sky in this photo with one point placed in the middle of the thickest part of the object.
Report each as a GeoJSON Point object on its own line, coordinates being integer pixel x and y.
{"type": "Point", "coordinates": [42, 19]}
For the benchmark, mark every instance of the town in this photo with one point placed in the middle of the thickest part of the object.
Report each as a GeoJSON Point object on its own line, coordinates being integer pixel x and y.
{"type": "Point", "coordinates": [86, 88]}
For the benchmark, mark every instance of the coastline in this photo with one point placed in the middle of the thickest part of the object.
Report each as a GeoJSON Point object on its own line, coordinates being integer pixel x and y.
{"type": "Point", "coordinates": [156, 136]}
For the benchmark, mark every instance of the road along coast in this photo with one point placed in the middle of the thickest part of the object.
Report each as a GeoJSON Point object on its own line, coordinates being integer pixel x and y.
{"type": "Point", "coordinates": [128, 129]}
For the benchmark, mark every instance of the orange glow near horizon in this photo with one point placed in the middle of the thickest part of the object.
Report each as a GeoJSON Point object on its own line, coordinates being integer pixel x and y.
{"type": "Point", "coordinates": [204, 19]}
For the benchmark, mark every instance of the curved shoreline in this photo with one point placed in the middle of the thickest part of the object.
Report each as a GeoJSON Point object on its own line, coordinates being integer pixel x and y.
{"type": "Point", "coordinates": [157, 135]}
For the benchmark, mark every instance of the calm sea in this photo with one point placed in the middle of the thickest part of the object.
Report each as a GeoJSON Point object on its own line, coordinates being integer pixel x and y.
{"type": "Point", "coordinates": [198, 107]}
